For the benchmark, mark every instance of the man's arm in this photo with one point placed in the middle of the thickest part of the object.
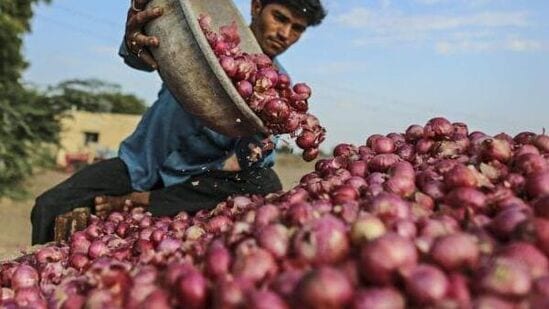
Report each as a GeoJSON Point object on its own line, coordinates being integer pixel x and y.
{"type": "Point", "coordinates": [135, 48]}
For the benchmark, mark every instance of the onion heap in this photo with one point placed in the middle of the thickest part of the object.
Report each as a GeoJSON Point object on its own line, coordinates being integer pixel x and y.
{"type": "Point", "coordinates": [281, 106]}
{"type": "Point", "coordinates": [433, 217]}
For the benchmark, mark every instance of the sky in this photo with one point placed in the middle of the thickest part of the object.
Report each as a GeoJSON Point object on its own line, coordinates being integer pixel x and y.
{"type": "Point", "coordinates": [374, 66]}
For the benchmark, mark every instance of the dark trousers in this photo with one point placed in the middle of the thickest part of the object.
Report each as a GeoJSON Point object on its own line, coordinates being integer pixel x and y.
{"type": "Point", "coordinates": [110, 177]}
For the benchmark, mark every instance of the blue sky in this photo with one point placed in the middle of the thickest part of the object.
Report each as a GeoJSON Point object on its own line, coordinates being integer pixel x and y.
{"type": "Point", "coordinates": [374, 66]}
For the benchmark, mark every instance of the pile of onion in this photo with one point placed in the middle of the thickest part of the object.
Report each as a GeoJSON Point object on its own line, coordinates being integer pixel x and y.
{"type": "Point", "coordinates": [433, 217]}
{"type": "Point", "coordinates": [281, 106]}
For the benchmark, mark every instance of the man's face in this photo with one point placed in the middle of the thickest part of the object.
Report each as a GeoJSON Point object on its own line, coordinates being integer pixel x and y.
{"type": "Point", "coordinates": [276, 27]}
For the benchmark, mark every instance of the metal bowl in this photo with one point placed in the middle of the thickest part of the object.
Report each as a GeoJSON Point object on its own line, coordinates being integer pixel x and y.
{"type": "Point", "coordinates": [190, 69]}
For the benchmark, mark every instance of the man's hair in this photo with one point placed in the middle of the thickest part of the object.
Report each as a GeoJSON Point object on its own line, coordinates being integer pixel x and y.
{"type": "Point", "coordinates": [311, 10]}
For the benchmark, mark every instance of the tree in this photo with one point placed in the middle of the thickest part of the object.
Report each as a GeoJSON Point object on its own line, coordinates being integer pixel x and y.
{"type": "Point", "coordinates": [95, 95]}
{"type": "Point", "coordinates": [27, 119]}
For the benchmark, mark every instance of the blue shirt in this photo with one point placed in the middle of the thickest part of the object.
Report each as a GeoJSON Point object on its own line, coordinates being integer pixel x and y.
{"type": "Point", "coordinates": [170, 144]}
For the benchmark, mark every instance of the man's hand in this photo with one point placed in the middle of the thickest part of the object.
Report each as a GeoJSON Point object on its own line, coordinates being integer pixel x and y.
{"type": "Point", "coordinates": [231, 164]}
{"type": "Point", "coordinates": [136, 41]}
{"type": "Point", "coordinates": [104, 205]}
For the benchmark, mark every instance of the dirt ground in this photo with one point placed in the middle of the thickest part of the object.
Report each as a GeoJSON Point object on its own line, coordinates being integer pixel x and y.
{"type": "Point", "coordinates": [15, 227]}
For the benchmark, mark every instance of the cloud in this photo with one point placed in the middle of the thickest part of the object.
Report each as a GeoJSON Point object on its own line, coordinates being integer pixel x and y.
{"type": "Point", "coordinates": [513, 44]}
{"type": "Point", "coordinates": [448, 33]}
{"type": "Point", "coordinates": [390, 22]}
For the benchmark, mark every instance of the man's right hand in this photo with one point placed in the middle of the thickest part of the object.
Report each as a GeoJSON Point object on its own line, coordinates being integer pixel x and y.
{"type": "Point", "coordinates": [136, 40]}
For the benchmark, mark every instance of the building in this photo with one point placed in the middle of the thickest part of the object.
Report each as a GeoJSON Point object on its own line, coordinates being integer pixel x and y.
{"type": "Point", "coordinates": [87, 137]}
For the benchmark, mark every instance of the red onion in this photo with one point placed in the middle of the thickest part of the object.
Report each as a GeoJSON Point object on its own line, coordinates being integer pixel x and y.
{"type": "Point", "coordinates": [345, 150]}
{"type": "Point", "coordinates": [424, 145]}
{"type": "Point", "coordinates": [378, 298]}
{"type": "Point", "coordinates": [506, 277]}
{"type": "Point", "coordinates": [505, 222]}
{"type": "Point", "coordinates": [49, 254]}
{"type": "Point", "coordinates": [405, 228]}
{"type": "Point", "coordinates": [302, 89]}
{"type": "Point", "coordinates": [256, 266]}
{"type": "Point", "coordinates": [414, 132]}
{"type": "Point", "coordinates": [366, 228]}
{"type": "Point", "coordinates": [455, 251]}
{"type": "Point", "coordinates": [383, 144]}
{"type": "Point", "coordinates": [524, 137]}
{"type": "Point", "coordinates": [537, 184]}
{"type": "Point", "coordinates": [542, 142]}
{"type": "Point", "coordinates": [324, 287]}
{"type": "Point", "coordinates": [492, 302]}
{"type": "Point", "coordinates": [322, 241]}
{"type": "Point", "coordinates": [426, 284]}
{"type": "Point", "coordinates": [265, 299]}
{"type": "Point", "coordinates": [529, 255]}
{"type": "Point", "coordinates": [496, 149]}
{"type": "Point", "coordinates": [438, 128]}
{"type": "Point", "coordinates": [192, 290]}
{"type": "Point", "coordinates": [343, 194]}
{"type": "Point", "coordinates": [458, 290]}
{"type": "Point", "coordinates": [25, 276]}
{"type": "Point", "coordinates": [275, 239]}
{"type": "Point", "coordinates": [381, 258]}
{"type": "Point", "coordinates": [400, 185]}
{"type": "Point", "coordinates": [382, 162]}
{"type": "Point", "coordinates": [388, 207]}
{"type": "Point", "coordinates": [460, 176]}
{"type": "Point", "coordinates": [462, 197]}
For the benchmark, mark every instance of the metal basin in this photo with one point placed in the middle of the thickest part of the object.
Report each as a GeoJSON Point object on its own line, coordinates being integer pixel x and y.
{"type": "Point", "coordinates": [191, 70]}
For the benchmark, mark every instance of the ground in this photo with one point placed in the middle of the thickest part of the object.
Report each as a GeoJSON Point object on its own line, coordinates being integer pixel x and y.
{"type": "Point", "coordinates": [15, 227]}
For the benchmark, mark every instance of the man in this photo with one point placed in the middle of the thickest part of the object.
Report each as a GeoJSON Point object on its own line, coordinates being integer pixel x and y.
{"type": "Point", "coordinates": [172, 162]}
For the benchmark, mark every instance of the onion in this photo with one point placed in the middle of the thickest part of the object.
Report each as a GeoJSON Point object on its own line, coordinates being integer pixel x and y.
{"type": "Point", "coordinates": [460, 176]}
{"type": "Point", "coordinates": [383, 144]}
{"type": "Point", "coordinates": [378, 298]}
{"type": "Point", "coordinates": [256, 266]}
{"type": "Point", "coordinates": [25, 276]}
{"type": "Point", "coordinates": [322, 241]}
{"type": "Point", "coordinates": [302, 89]}
{"type": "Point", "coordinates": [542, 142]}
{"type": "Point", "coordinates": [382, 162]}
{"type": "Point", "coordinates": [529, 255]}
{"type": "Point", "coordinates": [285, 283]}
{"type": "Point", "coordinates": [324, 287]}
{"type": "Point", "coordinates": [506, 277]}
{"type": "Point", "coordinates": [49, 254]}
{"type": "Point", "coordinates": [455, 251]}
{"type": "Point", "coordinates": [505, 222]}
{"type": "Point", "coordinates": [492, 302]}
{"type": "Point", "coordinates": [381, 258]}
{"type": "Point", "coordinates": [496, 149]}
{"type": "Point", "coordinates": [79, 261]}
{"type": "Point", "coordinates": [530, 163]}
{"type": "Point", "coordinates": [462, 197]}
{"type": "Point", "coordinates": [218, 259]}
{"type": "Point", "coordinates": [275, 239]}
{"type": "Point", "coordinates": [424, 145]}
{"type": "Point", "coordinates": [537, 184]}
{"type": "Point", "coordinates": [265, 299]}
{"type": "Point", "coordinates": [343, 194]}
{"type": "Point", "coordinates": [414, 132]}
{"type": "Point", "coordinates": [388, 207]}
{"type": "Point", "coordinates": [426, 284]}
{"type": "Point", "coordinates": [366, 228]}
{"type": "Point", "coordinates": [438, 128]}
{"type": "Point", "coordinates": [192, 290]}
